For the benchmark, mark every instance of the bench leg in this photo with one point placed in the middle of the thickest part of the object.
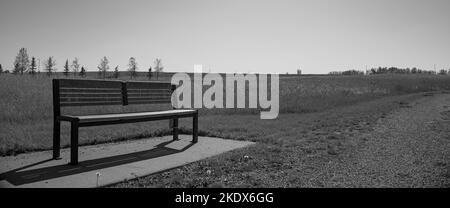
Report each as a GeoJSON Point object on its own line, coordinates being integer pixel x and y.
{"type": "Point", "coordinates": [175, 129]}
{"type": "Point", "coordinates": [195, 128]}
{"type": "Point", "coordinates": [56, 139]}
{"type": "Point", "coordinates": [74, 143]}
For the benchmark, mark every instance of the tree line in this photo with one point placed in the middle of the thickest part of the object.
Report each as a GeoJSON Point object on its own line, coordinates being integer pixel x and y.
{"type": "Point", "coordinates": [391, 70]}
{"type": "Point", "coordinates": [23, 64]}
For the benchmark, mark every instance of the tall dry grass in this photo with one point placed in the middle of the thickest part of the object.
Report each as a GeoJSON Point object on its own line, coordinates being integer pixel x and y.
{"type": "Point", "coordinates": [26, 106]}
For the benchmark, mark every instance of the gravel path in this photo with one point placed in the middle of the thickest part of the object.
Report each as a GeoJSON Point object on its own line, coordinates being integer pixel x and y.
{"type": "Point", "coordinates": [408, 148]}
{"type": "Point", "coordinates": [397, 141]}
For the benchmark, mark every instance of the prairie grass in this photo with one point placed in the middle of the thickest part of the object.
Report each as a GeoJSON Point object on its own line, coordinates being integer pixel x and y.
{"type": "Point", "coordinates": [291, 151]}
{"type": "Point", "coordinates": [26, 108]}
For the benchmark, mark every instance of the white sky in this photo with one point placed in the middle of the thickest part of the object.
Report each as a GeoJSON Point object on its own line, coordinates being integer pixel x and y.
{"type": "Point", "coordinates": [317, 36]}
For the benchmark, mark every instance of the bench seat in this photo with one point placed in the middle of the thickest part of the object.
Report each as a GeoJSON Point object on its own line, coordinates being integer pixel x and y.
{"type": "Point", "coordinates": [126, 117]}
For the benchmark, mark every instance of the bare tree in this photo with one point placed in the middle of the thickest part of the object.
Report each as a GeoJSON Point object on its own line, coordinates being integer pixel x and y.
{"type": "Point", "coordinates": [33, 66]}
{"type": "Point", "coordinates": [75, 66]}
{"type": "Point", "coordinates": [22, 62]}
{"type": "Point", "coordinates": [103, 67]}
{"type": "Point", "coordinates": [66, 68]}
{"type": "Point", "coordinates": [49, 65]}
{"type": "Point", "coordinates": [158, 67]}
{"type": "Point", "coordinates": [132, 67]}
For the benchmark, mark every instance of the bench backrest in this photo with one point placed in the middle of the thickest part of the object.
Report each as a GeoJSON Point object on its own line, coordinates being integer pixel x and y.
{"type": "Point", "coordinates": [72, 92]}
{"type": "Point", "coordinates": [148, 92]}
{"type": "Point", "coordinates": [85, 92]}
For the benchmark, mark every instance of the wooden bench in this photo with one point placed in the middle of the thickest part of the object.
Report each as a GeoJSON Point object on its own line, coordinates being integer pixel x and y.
{"type": "Point", "coordinates": [82, 92]}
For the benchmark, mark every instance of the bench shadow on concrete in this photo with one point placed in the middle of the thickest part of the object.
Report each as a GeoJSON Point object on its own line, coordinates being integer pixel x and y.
{"type": "Point", "coordinates": [19, 177]}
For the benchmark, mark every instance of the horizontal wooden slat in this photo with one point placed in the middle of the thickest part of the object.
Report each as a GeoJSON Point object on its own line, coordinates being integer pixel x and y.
{"type": "Point", "coordinates": [149, 95]}
{"type": "Point", "coordinates": [91, 95]}
{"type": "Point", "coordinates": [89, 103]}
{"type": "Point", "coordinates": [149, 101]}
{"type": "Point", "coordinates": [90, 90]}
{"type": "Point", "coordinates": [85, 99]}
{"type": "Point", "coordinates": [149, 98]}
{"type": "Point", "coordinates": [148, 91]}
{"type": "Point", "coordinates": [83, 83]}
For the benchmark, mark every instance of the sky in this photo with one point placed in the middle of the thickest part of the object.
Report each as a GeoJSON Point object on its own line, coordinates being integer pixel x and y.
{"type": "Point", "coordinates": [276, 36]}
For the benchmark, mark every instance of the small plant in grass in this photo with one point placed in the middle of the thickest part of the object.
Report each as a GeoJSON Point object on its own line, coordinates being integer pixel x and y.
{"type": "Point", "coordinates": [116, 72]}
{"type": "Point", "coordinates": [149, 73]}
{"type": "Point", "coordinates": [82, 72]}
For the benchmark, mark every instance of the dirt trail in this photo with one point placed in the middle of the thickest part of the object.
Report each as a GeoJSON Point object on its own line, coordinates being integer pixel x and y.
{"type": "Point", "coordinates": [408, 148]}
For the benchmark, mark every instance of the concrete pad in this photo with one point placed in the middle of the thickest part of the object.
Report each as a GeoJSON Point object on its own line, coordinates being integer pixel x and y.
{"type": "Point", "coordinates": [114, 162]}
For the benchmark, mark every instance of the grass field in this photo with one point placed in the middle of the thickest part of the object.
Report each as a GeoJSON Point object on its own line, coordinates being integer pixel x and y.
{"type": "Point", "coordinates": [292, 151]}
{"type": "Point", "coordinates": [26, 109]}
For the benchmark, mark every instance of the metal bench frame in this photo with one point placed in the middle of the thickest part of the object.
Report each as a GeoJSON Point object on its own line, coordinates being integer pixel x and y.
{"type": "Point", "coordinates": [83, 92]}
